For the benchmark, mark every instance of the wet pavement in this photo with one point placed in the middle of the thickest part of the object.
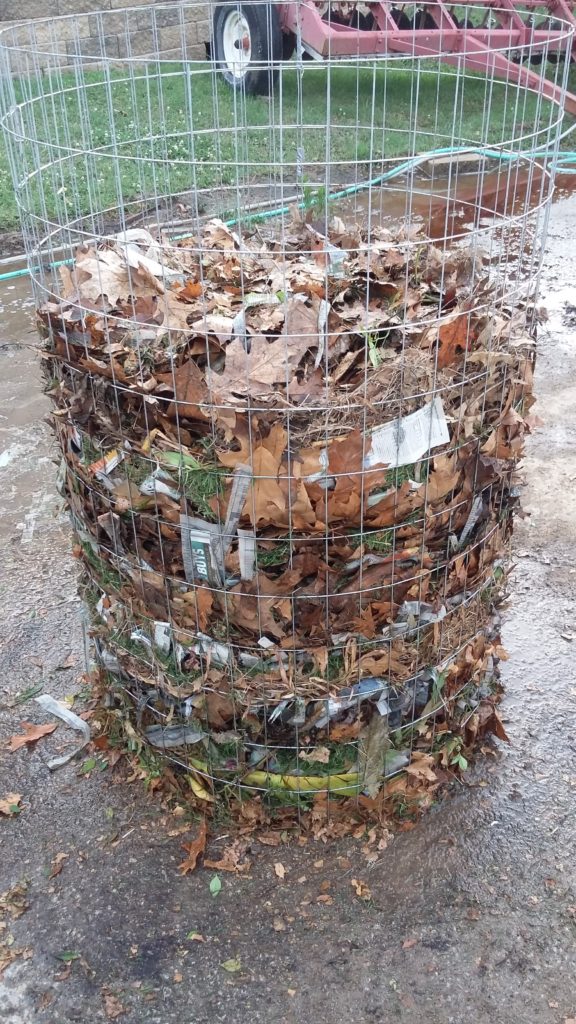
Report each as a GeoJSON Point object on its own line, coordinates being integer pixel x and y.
{"type": "Point", "coordinates": [473, 913]}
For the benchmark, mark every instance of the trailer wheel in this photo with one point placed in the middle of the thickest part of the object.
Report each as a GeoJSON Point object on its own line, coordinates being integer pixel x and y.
{"type": "Point", "coordinates": [553, 56]}
{"type": "Point", "coordinates": [247, 45]}
{"type": "Point", "coordinates": [288, 45]}
{"type": "Point", "coordinates": [402, 20]}
{"type": "Point", "coordinates": [424, 20]}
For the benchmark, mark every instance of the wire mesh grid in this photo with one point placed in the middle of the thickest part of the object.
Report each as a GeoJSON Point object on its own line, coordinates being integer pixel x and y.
{"type": "Point", "coordinates": [288, 315]}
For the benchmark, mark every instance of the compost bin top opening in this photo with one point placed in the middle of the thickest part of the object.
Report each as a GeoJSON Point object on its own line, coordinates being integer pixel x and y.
{"type": "Point", "coordinates": [97, 34]}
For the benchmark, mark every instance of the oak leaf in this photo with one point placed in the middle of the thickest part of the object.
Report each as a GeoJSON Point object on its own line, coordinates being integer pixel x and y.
{"type": "Point", "coordinates": [194, 850]}
{"type": "Point", "coordinates": [32, 733]}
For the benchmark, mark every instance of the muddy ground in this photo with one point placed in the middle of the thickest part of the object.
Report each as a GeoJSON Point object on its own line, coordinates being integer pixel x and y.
{"type": "Point", "coordinates": [473, 913]}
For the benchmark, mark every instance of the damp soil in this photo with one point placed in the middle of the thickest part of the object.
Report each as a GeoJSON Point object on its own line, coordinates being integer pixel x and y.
{"type": "Point", "coordinates": [473, 912]}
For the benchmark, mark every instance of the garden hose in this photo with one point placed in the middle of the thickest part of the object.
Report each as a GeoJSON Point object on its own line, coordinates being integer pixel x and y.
{"type": "Point", "coordinates": [343, 784]}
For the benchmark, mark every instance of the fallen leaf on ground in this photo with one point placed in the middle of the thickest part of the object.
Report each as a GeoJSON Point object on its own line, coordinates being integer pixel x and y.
{"type": "Point", "coordinates": [68, 955]}
{"type": "Point", "coordinates": [57, 864]}
{"type": "Point", "coordinates": [64, 973]}
{"type": "Point", "coordinates": [68, 663]}
{"type": "Point", "coordinates": [270, 838]}
{"type": "Point", "coordinates": [194, 850]}
{"type": "Point", "coordinates": [361, 889]}
{"type": "Point", "coordinates": [10, 804]}
{"type": "Point", "coordinates": [32, 733]}
{"type": "Point", "coordinates": [473, 914]}
{"type": "Point", "coordinates": [112, 1006]}
{"type": "Point", "coordinates": [291, 991]}
{"type": "Point", "coordinates": [422, 767]}
{"type": "Point", "coordinates": [370, 854]}
{"type": "Point", "coordinates": [233, 965]}
{"type": "Point", "coordinates": [278, 925]}
{"type": "Point", "coordinates": [279, 870]}
{"type": "Point", "coordinates": [9, 954]}
{"type": "Point", "coordinates": [409, 943]}
{"type": "Point", "coordinates": [215, 885]}
{"type": "Point", "coordinates": [233, 859]}
{"type": "Point", "coordinates": [195, 937]}
{"type": "Point", "coordinates": [13, 901]}
{"type": "Point", "coordinates": [178, 977]}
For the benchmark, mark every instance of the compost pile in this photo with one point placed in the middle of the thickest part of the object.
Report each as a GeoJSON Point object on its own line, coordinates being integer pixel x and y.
{"type": "Point", "coordinates": [290, 465]}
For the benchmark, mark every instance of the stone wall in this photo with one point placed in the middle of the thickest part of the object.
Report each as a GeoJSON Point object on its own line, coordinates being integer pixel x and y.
{"type": "Point", "coordinates": [104, 29]}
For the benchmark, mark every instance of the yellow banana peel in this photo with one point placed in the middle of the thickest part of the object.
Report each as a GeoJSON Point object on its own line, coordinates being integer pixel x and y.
{"type": "Point", "coordinates": [200, 790]}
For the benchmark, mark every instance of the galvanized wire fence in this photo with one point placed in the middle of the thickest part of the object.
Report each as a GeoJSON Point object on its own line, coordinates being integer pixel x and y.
{"type": "Point", "coordinates": [288, 317]}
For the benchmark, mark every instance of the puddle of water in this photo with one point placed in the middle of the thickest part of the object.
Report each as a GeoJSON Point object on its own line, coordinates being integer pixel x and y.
{"type": "Point", "coordinates": [26, 467]}
{"type": "Point", "coordinates": [453, 207]}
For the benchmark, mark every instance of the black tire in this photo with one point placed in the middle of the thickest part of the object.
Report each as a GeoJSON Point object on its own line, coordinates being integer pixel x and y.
{"type": "Point", "coordinates": [288, 45]}
{"type": "Point", "coordinates": [553, 56]}
{"type": "Point", "coordinates": [266, 46]}
{"type": "Point", "coordinates": [424, 20]}
{"type": "Point", "coordinates": [364, 22]}
{"type": "Point", "coordinates": [403, 21]}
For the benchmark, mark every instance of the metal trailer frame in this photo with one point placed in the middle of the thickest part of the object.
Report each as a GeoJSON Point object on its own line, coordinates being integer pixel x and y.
{"type": "Point", "coordinates": [482, 48]}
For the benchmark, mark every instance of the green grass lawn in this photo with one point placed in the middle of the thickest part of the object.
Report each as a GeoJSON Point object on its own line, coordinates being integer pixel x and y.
{"type": "Point", "coordinates": [143, 135]}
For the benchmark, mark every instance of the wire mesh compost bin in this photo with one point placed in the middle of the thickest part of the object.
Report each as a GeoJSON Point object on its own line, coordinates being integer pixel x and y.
{"type": "Point", "coordinates": [288, 334]}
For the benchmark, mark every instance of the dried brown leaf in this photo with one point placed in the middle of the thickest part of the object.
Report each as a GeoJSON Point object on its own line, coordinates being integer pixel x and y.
{"type": "Point", "coordinates": [191, 290]}
{"type": "Point", "coordinates": [198, 602]}
{"type": "Point", "coordinates": [8, 954]}
{"type": "Point", "coordinates": [270, 838]}
{"type": "Point", "coordinates": [321, 755]}
{"type": "Point", "coordinates": [422, 766]}
{"type": "Point", "coordinates": [57, 864]}
{"type": "Point", "coordinates": [104, 272]}
{"type": "Point", "coordinates": [453, 339]}
{"type": "Point", "coordinates": [13, 901]}
{"type": "Point", "coordinates": [268, 362]}
{"type": "Point", "coordinates": [265, 501]}
{"type": "Point", "coordinates": [345, 731]}
{"type": "Point", "coordinates": [113, 1008]}
{"type": "Point", "coordinates": [220, 709]}
{"type": "Point", "coordinates": [361, 889]}
{"type": "Point", "coordinates": [187, 383]}
{"type": "Point", "coordinates": [32, 733]}
{"type": "Point", "coordinates": [194, 849]}
{"type": "Point", "coordinates": [233, 859]}
{"type": "Point", "coordinates": [221, 327]}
